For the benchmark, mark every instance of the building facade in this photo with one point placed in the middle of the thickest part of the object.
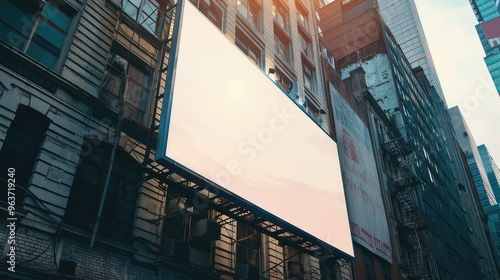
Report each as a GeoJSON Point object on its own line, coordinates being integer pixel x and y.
{"type": "Point", "coordinates": [431, 230]}
{"type": "Point", "coordinates": [480, 178]}
{"type": "Point", "coordinates": [488, 16]}
{"type": "Point", "coordinates": [468, 145]}
{"type": "Point", "coordinates": [493, 173]}
{"type": "Point", "coordinates": [491, 169]}
{"type": "Point", "coordinates": [404, 22]}
{"type": "Point", "coordinates": [81, 85]}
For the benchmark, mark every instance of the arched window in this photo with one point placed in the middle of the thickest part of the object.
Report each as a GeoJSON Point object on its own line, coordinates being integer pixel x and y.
{"type": "Point", "coordinates": [86, 192]}
{"type": "Point", "coordinates": [20, 149]}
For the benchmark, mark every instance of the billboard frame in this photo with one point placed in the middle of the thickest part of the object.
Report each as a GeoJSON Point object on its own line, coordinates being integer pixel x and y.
{"type": "Point", "coordinates": [223, 200]}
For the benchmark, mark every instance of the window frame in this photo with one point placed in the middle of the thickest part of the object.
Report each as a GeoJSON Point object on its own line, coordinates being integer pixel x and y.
{"type": "Point", "coordinates": [211, 9]}
{"type": "Point", "coordinates": [40, 20]}
{"type": "Point", "coordinates": [302, 20]}
{"type": "Point", "coordinates": [283, 49]}
{"type": "Point", "coordinates": [250, 5]}
{"type": "Point", "coordinates": [305, 46]}
{"type": "Point", "coordinates": [244, 42]}
{"type": "Point", "coordinates": [140, 13]}
{"type": "Point", "coordinates": [249, 239]}
{"type": "Point", "coordinates": [281, 9]}
{"type": "Point", "coordinates": [308, 72]}
{"type": "Point", "coordinates": [112, 99]}
{"type": "Point", "coordinates": [118, 195]}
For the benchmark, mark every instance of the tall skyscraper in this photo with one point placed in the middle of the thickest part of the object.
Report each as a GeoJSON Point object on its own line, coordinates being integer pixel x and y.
{"type": "Point", "coordinates": [468, 145]}
{"type": "Point", "coordinates": [401, 16]}
{"type": "Point", "coordinates": [488, 15]}
{"type": "Point", "coordinates": [492, 170]}
{"type": "Point", "coordinates": [493, 212]}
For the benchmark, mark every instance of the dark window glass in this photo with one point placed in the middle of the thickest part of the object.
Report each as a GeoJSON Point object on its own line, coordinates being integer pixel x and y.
{"type": "Point", "coordinates": [20, 149]}
{"type": "Point", "coordinates": [146, 12]}
{"type": "Point", "coordinates": [84, 199]}
{"type": "Point", "coordinates": [369, 266]}
{"type": "Point", "coordinates": [137, 97]}
{"type": "Point", "coordinates": [247, 245]}
{"type": "Point", "coordinates": [39, 31]}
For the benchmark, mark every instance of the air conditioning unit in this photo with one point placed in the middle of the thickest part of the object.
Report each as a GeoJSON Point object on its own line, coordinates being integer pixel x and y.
{"type": "Point", "coordinates": [206, 229]}
{"type": "Point", "coordinates": [118, 62]}
{"type": "Point", "coordinates": [176, 249]}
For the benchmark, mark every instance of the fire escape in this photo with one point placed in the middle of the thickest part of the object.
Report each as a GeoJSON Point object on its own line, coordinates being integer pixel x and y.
{"type": "Point", "coordinates": [404, 181]}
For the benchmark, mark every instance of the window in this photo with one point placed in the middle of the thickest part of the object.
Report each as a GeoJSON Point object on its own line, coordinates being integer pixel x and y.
{"type": "Point", "coordinates": [368, 266]}
{"type": "Point", "coordinates": [280, 14]}
{"type": "Point", "coordinates": [305, 46]}
{"type": "Point", "coordinates": [84, 199]}
{"type": "Point", "coordinates": [250, 11]}
{"type": "Point", "coordinates": [147, 12]}
{"type": "Point", "coordinates": [175, 222]}
{"type": "Point", "coordinates": [386, 271]}
{"type": "Point", "coordinates": [283, 49]}
{"type": "Point", "coordinates": [302, 19]}
{"type": "Point", "coordinates": [295, 269]}
{"type": "Point", "coordinates": [20, 149]}
{"type": "Point", "coordinates": [248, 47]}
{"type": "Point", "coordinates": [37, 30]}
{"type": "Point", "coordinates": [214, 12]}
{"type": "Point", "coordinates": [137, 97]}
{"type": "Point", "coordinates": [248, 249]}
{"type": "Point", "coordinates": [308, 75]}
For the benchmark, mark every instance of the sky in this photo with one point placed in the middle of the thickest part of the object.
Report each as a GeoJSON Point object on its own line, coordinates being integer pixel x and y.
{"type": "Point", "coordinates": [458, 56]}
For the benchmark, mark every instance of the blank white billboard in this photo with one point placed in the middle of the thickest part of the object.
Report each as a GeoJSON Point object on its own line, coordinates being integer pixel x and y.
{"type": "Point", "coordinates": [226, 121]}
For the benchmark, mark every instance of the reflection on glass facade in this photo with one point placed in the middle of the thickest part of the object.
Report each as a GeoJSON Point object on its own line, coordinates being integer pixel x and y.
{"type": "Point", "coordinates": [485, 11]}
{"type": "Point", "coordinates": [493, 214]}
{"type": "Point", "coordinates": [402, 18]}
{"type": "Point", "coordinates": [492, 170]}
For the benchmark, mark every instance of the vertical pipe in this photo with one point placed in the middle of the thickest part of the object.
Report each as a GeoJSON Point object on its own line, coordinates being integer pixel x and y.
{"type": "Point", "coordinates": [118, 130]}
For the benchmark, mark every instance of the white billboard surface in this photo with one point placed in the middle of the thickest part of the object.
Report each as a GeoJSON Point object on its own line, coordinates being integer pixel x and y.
{"type": "Point", "coordinates": [362, 188]}
{"type": "Point", "coordinates": [226, 121]}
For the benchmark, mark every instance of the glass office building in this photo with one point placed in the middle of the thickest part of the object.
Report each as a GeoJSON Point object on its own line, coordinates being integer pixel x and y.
{"type": "Point", "coordinates": [492, 170]}
{"type": "Point", "coordinates": [401, 16]}
{"type": "Point", "coordinates": [468, 145]}
{"type": "Point", "coordinates": [493, 212]}
{"type": "Point", "coordinates": [488, 15]}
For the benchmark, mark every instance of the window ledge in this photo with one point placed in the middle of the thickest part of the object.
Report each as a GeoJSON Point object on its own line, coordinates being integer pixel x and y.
{"type": "Point", "coordinates": [306, 60]}
{"type": "Point", "coordinates": [282, 33]}
{"type": "Point", "coordinates": [313, 98]}
{"type": "Point", "coordinates": [303, 30]}
{"type": "Point", "coordinates": [253, 34]}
